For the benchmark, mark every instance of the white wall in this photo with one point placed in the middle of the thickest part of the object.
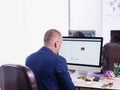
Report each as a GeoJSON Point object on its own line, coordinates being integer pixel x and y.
{"type": "Point", "coordinates": [11, 31]}
{"type": "Point", "coordinates": [23, 24]}
{"type": "Point", "coordinates": [86, 15]}
{"type": "Point", "coordinates": [111, 17]}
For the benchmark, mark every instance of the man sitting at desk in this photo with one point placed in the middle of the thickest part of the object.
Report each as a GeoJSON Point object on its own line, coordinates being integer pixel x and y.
{"type": "Point", "coordinates": [50, 69]}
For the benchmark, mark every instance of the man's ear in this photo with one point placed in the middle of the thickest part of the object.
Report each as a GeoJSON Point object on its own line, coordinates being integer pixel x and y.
{"type": "Point", "coordinates": [55, 44]}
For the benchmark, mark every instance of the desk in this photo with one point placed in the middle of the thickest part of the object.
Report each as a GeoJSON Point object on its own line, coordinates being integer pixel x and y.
{"type": "Point", "coordinates": [94, 84]}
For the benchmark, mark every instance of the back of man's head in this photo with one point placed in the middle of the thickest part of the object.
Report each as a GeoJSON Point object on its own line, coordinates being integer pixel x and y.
{"type": "Point", "coordinates": [53, 40]}
{"type": "Point", "coordinates": [50, 35]}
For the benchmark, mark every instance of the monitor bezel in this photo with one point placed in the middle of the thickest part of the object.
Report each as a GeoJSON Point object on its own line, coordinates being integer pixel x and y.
{"type": "Point", "coordinates": [101, 46]}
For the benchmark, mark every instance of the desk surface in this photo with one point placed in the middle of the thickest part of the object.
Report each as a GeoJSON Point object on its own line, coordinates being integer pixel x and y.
{"type": "Point", "coordinates": [101, 84]}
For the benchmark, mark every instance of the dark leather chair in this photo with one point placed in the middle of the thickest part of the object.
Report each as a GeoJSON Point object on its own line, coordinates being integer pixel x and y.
{"type": "Point", "coordinates": [17, 77]}
{"type": "Point", "coordinates": [111, 55]}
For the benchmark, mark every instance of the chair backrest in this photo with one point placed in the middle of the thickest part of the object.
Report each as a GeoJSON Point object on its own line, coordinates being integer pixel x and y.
{"type": "Point", "coordinates": [17, 77]}
{"type": "Point", "coordinates": [111, 54]}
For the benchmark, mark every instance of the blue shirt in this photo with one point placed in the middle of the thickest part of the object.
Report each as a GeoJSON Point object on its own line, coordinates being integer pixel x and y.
{"type": "Point", "coordinates": [50, 70]}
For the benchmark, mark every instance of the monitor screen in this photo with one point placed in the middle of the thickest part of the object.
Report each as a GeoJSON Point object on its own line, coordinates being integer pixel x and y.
{"type": "Point", "coordinates": [115, 32]}
{"type": "Point", "coordinates": [82, 51]}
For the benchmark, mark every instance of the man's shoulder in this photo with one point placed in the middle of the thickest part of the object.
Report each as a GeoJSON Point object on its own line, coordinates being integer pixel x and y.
{"type": "Point", "coordinates": [61, 59]}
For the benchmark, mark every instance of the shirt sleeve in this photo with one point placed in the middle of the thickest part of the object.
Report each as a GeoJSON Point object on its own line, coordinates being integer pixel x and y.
{"type": "Point", "coordinates": [63, 75]}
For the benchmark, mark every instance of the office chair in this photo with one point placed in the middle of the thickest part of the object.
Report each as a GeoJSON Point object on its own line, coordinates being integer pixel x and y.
{"type": "Point", "coordinates": [17, 77]}
{"type": "Point", "coordinates": [111, 55]}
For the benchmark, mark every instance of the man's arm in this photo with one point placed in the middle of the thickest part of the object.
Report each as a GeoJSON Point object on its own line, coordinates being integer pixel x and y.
{"type": "Point", "coordinates": [63, 75]}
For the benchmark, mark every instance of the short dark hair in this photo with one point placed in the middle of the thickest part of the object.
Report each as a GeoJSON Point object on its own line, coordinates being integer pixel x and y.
{"type": "Point", "coordinates": [78, 34]}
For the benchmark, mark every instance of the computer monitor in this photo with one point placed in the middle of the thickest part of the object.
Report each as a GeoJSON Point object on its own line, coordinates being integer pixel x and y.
{"type": "Point", "coordinates": [114, 32]}
{"type": "Point", "coordinates": [115, 36]}
{"type": "Point", "coordinates": [82, 51]}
